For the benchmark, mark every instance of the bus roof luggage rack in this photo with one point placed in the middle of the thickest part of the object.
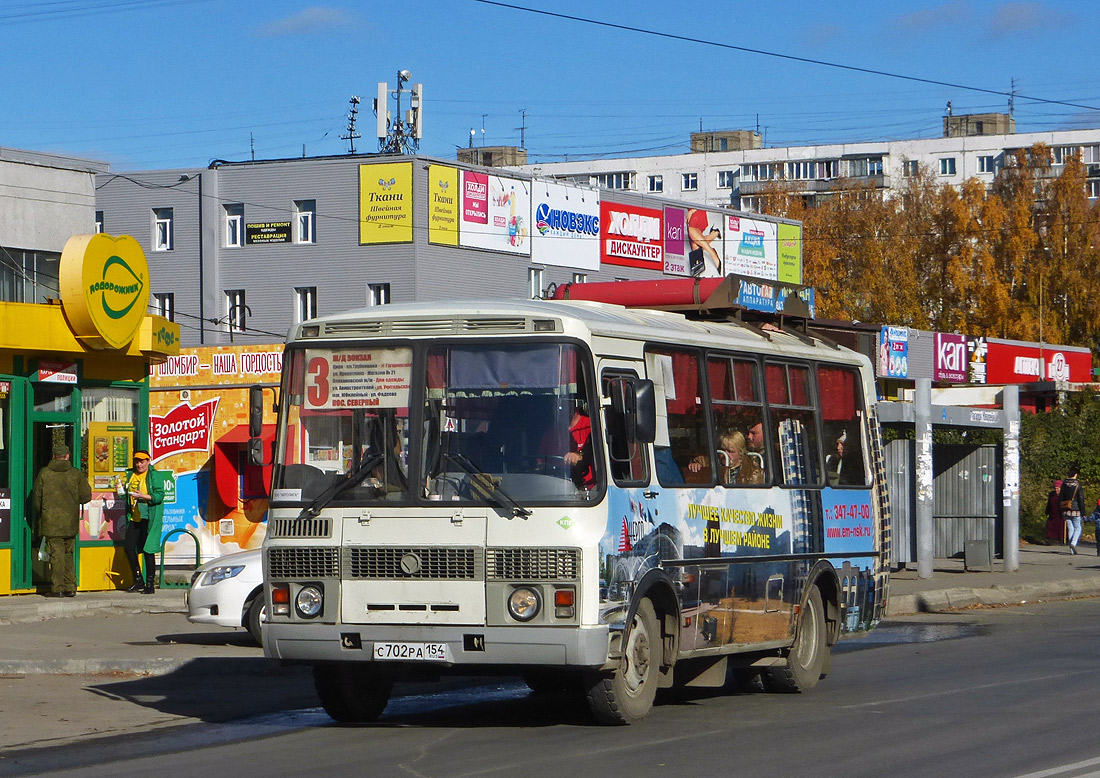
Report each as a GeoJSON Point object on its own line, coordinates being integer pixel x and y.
{"type": "Point", "coordinates": [733, 297]}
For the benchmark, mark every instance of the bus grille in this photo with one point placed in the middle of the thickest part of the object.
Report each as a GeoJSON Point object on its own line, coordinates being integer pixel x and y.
{"type": "Point", "coordinates": [304, 528]}
{"type": "Point", "coordinates": [420, 563]}
{"type": "Point", "coordinates": [303, 563]}
{"type": "Point", "coordinates": [532, 564]}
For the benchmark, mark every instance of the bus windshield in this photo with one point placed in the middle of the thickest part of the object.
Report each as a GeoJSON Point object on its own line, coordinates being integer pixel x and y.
{"type": "Point", "coordinates": [347, 425]}
{"type": "Point", "coordinates": [508, 420]}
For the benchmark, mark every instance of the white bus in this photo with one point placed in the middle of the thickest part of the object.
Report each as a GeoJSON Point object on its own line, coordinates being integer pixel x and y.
{"type": "Point", "coordinates": [592, 497]}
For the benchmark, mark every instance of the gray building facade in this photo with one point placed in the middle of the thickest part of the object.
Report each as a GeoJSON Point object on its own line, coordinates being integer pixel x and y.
{"type": "Point", "coordinates": [241, 251]}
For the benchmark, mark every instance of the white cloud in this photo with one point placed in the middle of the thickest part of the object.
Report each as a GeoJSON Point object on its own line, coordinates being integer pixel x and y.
{"type": "Point", "coordinates": [1025, 18]}
{"type": "Point", "coordinates": [310, 21]}
{"type": "Point", "coordinates": [932, 19]}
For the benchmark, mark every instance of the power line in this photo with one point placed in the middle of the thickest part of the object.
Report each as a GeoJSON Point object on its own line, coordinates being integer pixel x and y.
{"type": "Point", "coordinates": [791, 57]}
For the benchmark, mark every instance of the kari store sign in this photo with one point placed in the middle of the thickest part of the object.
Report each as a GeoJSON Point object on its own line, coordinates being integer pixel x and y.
{"type": "Point", "coordinates": [949, 360]}
{"type": "Point", "coordinates": [567, 226]}
{"type": "Point", "coordinates": [631, 236]}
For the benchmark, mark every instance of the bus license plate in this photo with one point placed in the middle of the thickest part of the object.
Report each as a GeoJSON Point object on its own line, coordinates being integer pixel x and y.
{"type": "Point", "coordinates": [411, 652]}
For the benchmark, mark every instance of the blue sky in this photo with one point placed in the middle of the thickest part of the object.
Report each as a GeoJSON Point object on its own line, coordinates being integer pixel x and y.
{"type": "Point", "coordinates": [176, 83]}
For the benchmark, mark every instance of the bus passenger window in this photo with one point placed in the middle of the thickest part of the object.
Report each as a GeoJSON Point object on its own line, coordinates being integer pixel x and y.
{"type": "Point", "coordinates": [841, 399]}
{"type": "Point", "coordinates": [681, 423]}
{"type": "Point", "coordinates": [793, 423]}
{"type": "Point", "coordinates": [738, 420]}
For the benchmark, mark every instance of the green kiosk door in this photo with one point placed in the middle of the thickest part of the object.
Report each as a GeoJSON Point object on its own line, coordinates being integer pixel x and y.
{"type": "Point", "coordinates": [54, 412]}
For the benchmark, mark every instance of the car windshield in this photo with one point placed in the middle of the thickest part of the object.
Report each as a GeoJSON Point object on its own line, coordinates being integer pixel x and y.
{"type": "Point", "coordinates": [508, 424]}
{"type": "Point", "coordinates": [347, 426]}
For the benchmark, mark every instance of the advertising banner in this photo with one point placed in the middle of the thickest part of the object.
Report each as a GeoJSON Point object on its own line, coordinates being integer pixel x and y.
{"type": "Point", "coordinates": [1012, 362]}
{"type": "Point", "coordinates": [443, 204]}
{"type": "Point", "coordinates": [703, 244]}
{"type": "Point", "coordinates": [198, 430]}
{"type": "Point", "coordinates": [266, 232]}
{"type": "Point", "coordinates": [496, 213]}
{"type": "Point", "coordinates": [949, 358]}
{"type": "Point", "coordinates": [893, 352]}
{"type": "Point", "coordinates": [978, 349]}
{"type": "Point", "coordinates": [676, 263]}
{"type": "Point", "coordinates": [385, 203]}
{"type": "Point", "coordinates": [790, 252]}
{"type": "Point", "coordinates": [752, 248]}
{"type": "Point", "coordinates": [567, 226]}
{"type": "Point", "coordinates": [631, 235]}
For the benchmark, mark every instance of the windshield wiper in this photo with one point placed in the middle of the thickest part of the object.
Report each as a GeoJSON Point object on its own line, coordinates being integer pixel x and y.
{"type": "Point", "coordinates": [351, 479]}
{"type": "Point", "coordinates": [491, 490]}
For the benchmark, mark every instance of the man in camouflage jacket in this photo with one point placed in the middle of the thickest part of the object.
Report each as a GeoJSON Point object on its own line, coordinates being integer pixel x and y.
{"type": "Point", "coordinates": [59, 491]}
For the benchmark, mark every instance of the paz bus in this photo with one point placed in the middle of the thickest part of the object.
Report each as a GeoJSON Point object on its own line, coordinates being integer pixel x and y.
{"type": "Point", "coordinates": [596, 498]}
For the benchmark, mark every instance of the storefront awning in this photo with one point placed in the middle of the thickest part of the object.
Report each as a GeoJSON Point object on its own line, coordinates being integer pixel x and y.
{"type": "Point", "coordinates": [231, 458]}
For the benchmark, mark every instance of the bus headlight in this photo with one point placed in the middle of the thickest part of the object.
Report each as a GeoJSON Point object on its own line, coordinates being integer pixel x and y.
{"type": "Point", "coordinates": [309, 601]}
{"type": "Point", "coordinates": [524, 603]}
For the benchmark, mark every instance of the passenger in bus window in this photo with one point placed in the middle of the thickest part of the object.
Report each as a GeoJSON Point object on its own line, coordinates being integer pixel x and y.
{"type": "Point", "coordinates": [735, 466]}
{"type": "Point", "coordinates": [579, 456]}
{"type": "Point", "coordinates": [834, 461]}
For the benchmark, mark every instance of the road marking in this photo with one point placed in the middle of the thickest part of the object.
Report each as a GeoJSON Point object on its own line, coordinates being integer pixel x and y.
{"type": "Point", "coordinates": [1067, 770]}
{"type": "Point", "coordinates": [965, 690]}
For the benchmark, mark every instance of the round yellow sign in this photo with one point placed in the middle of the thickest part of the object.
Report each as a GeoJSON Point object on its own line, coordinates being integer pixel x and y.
{"type": "Point", "coordinates": [104, 288]}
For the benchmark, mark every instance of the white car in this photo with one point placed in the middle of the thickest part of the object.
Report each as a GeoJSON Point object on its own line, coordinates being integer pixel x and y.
{"type": "Point", "coordinates": [229, 591]}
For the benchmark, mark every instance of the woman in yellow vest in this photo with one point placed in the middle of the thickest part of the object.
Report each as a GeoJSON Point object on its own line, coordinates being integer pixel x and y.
{"type": "Point", "coordinates": [144, 508]}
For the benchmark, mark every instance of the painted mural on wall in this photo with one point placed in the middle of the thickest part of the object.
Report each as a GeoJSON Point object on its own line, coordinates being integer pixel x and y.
{"type": "Point", "coordinates": [198, 422]}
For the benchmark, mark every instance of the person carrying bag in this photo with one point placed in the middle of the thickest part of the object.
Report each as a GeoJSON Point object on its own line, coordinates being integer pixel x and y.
{"type": "Point", "coordinates": [1072, 502]}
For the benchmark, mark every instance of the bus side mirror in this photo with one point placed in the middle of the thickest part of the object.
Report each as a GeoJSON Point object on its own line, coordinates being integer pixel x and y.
{"type": "Point", "coordinates": [633, 410]}
{"type": "Point", "coordinates": [255, 424]}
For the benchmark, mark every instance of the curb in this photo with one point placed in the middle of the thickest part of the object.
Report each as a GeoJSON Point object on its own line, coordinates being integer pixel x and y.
{"type": "Point", "coordinates": [41, 609]}
{"type": "Point", "coordinates": [1006, 594]}
{"type": "Point", "coordinates": [147, 666]}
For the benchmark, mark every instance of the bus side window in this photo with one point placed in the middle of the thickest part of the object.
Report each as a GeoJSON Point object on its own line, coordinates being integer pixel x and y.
{"type": "Point", "coordinates": [793, 423]}
{"type": "Point", "coordinates": [681, 420]}
{"type": "Point", "coordinates": [841, 399]}
{"type": "Point", "coordinates": [738, 419]}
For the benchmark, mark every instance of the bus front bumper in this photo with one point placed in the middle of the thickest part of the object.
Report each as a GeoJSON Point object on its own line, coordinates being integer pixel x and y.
{"type": "Point", "coordinates": [464, 645]}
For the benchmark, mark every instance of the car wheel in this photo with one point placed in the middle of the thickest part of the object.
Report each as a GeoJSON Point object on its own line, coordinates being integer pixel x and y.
{"type": "Point", "coordinates": [256, 614]}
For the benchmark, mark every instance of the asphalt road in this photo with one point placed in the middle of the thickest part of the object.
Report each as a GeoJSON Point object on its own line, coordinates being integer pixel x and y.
{"type": "Point", "coordinates": [1007, 692]}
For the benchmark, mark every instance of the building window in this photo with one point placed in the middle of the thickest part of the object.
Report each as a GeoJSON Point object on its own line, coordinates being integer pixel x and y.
{"type": "Point", "coordinates": [947, 166]}
{"type": "Point", "coordinates": [307, 220]}
{"type": "Point", "coordinates": [234, 225]}
{"type": "Point", "coordinates": [725, 179]}
{"type": "Point", "coordinates": [749, 204]}
{"type": "Point", "coordinates": [865, 167]}
{"type": "Point", "coordinates": [689, 182]}
{"type": "Point", "coordinates": [1092, 187]}
{"type": "Point", "coordinates": [162, 229]}
{"type": "Point", "coordinates": [164, 304]}
{"type": "Point", "coordinates": [910, 167]}
{"type": "Point", "coordinates": [985, 164]}
{"type": "Point", "coordinates": [236, 312]}
{"type": "Point", "coordinates": [1090, 155]}
{"type": "Point", "coordinates": [620, 180]}
{"type": "Point", "coordinates": [378, 294]}
{"type": "Point", "coordinates": [655, 184]}
{"type": "Point", "coordinates": [306, 299]}
{"type": "Point", "coordinates": [534, 282]}
{"type": "Point", "coordinates": [1062, 154]}
{"type": "Point", "coordinates": [98, 222]}
{"type": "Point", "coordinates": [828, 168]}
{"type": "Point", "coordinates": [580, 278]}
{"type": "Point", "coordinates": [801, 171]}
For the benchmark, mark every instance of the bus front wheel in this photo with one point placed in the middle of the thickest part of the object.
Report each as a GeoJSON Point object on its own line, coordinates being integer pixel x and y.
{"type": "Point", "coordinates": [626, 695]}
{"type": "Point", "coordinates": [351, 693]}
{"type": "Point", "coordinates": [806, 660]}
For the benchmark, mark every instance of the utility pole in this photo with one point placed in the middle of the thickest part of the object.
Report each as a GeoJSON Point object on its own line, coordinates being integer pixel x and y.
{"type": "Point", "coordinates": [522, 128]}
{"type": "Point", "coordinates": [1012, 98]}
{"type": "Point", "coordinates": [401, 134]}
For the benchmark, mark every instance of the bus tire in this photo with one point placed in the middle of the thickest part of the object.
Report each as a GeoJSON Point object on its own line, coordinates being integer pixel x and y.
{"type": "Point", "coordinates": [806, 660]}
{"type": "Point", "coordinates": [550, 682]}
{"type": "Point", "coordinates": [626, 695]}
{"type": "Point", "coordinates": [350, 693]}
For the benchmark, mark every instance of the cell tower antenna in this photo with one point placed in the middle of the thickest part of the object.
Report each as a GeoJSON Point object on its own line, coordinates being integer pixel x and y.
{"type": "Point", "coordinates": [400, 134]}
{"type": "Point", "coordinates": [351, 134]}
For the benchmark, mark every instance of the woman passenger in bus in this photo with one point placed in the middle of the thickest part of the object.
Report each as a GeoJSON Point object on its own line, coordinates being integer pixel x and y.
{"type": "Point", "coordinates": [734, 465]}
{"type": "Point", "coordinates": [579, 456]}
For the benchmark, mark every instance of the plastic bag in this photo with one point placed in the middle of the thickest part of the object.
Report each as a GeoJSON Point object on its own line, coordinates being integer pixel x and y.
{"type": "Point", "coordinates": [43, 551]}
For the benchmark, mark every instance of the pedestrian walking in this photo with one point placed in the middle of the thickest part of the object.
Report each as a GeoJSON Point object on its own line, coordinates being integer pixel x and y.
{"type": "Point", "coordinates": [144, 508]}
{"type": "Point", "coordinates": [1072, 502]}
{"type": "Point", "coordinates": [1056, 522]}
{"type": "Point", "coordinates": [58, 492]}
{"type": "Point", "coordinates": [1095, 517]}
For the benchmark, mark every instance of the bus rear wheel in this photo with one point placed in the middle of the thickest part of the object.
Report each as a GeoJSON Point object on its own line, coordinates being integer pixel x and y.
{"type": "Point", "coordinates": [351, 693]}
{"type": "Point", "coordinates": [806, 660]}
{"type": "Point", "coordinates": [626, 695]}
